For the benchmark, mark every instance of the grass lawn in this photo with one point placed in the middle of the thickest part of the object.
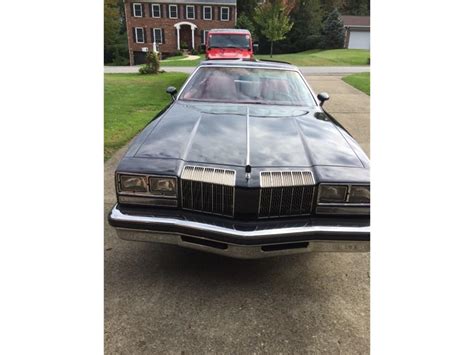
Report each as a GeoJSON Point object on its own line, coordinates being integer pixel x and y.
{"type": "Point", "coordinates": [130, 102]}
{"type": "Point", "coordinates": [318, 57]}
{"type": "Point", "coordinates": [177, 61]}
{"type": "Point", "coordinates": [360, 81]}
{"type": "Point", "coordinates": [314, 57]}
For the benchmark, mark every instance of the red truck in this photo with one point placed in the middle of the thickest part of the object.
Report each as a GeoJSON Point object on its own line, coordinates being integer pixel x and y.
{"type": "Point", "coordinates": [229, 44]}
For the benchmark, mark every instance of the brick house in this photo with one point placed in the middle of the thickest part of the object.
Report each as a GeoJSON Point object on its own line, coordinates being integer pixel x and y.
{"type": "Point", "coordinates": [172, 23]}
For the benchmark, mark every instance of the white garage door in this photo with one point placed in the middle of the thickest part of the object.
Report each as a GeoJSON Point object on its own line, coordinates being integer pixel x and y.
{"type": "Point", "coordinates": [359, 40]}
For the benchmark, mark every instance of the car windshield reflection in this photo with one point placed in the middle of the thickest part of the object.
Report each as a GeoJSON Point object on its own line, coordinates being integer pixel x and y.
{"type": "Point", "coordinates": [248, 86]}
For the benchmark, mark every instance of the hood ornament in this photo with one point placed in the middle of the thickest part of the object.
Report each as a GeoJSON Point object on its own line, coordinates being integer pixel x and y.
{"type": "Point", "coordinates": [248, 170]}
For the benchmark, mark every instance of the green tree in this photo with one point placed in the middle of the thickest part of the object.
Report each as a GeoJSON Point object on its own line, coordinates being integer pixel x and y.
{"type": "Point", "coordinates": [273, 19]}
{"type": "Point", "coordinates": [111, 21]}
{"type": "Point", "coordinates": [356, 8]}
{"type": "Point", "coordinates": [246, 7]}
{"type": "Point", "coordinates": [328, 5]}
{"type": "Point", "coordinates": [307, 26]}
{"type": "Point", "coordinates": [243, 21]}
{"type": "Point", "coordinates": [115, 38]}
{"type": "Point", "coordinates": [333, 31]}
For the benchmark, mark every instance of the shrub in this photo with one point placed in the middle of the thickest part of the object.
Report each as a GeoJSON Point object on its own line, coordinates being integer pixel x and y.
{"type": "Point", "coordinates": [194, 52]}
{"type": "Point", "coordinates": [183, 45]}
{"type": "Point", "coordinates": [312, 42]}
{"type": "Point", "coordinates": [116, 54]}
{"type": "Point", "coordinates": [332, 31]}
{"type": "Point", "coordinates": [152, 65]}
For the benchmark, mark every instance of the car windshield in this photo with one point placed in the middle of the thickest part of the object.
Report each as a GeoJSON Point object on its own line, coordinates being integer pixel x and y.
{"type": "Point", "coordinates": [248, 85]}
{"type": "Point", "coordinates": [229, 41]}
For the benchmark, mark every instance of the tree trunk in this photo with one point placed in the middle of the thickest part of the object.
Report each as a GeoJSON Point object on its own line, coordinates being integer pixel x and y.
{"type": "Point", "coordinates": [271, 49]}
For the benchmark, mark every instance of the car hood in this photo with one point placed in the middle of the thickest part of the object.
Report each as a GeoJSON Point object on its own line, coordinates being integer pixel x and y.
{"type": "Point", "coordinates": [258, 135]}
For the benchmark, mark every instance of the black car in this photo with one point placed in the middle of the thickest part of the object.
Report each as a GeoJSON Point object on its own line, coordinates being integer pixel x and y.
{"type": "Point", "coordinates": [245, 162]}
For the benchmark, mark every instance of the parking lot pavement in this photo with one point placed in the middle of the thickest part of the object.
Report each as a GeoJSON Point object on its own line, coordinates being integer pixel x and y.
{"type": "Point", "coordinates": [165, 299]}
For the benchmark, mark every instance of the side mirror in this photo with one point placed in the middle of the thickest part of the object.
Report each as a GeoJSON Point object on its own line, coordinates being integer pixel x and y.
{"type": "Point", "coordinates": [322, 97]}
{"type": "Point", "coordinates": [171, 90]}
{"type": "Point", "coordinates": [255, 47]}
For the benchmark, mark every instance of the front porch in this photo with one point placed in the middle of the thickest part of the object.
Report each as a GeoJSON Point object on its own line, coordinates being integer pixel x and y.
{"type": "Point", "coordinates": [185, 35]}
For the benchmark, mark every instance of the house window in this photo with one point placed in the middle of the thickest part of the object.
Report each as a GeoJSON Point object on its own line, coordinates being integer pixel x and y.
{"type": "Point", "coordinates": [224, 14]}
{"type": "Point", "coordinates": [155, 10]}
{"type": "Point", "coordinates": [207, 12]}
{"type": "Point", "coordinates": [137, 10]}
{"type": "Point", "coordinates": [158, 35]}
{"type": "Point", "coordinates": [190, 12]}
{"type": "Point", "coordinates": [173, 11]}
{"type": "Point", "coordinates": [204, 37]}
{"type": "Point", "coordinates": [139, 35]}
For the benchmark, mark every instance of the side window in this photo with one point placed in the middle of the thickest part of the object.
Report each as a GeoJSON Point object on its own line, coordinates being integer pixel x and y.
{"type": "Point", "coordinates": [207, 12]}
{"type": "Point", "coordinates": [224, 14]}
{"type": "Point", "coordinates": [173, 11]}
{"type": "Point", "coordinates": [139, 35]}
{"type": "Point", "coordinates": [190, 12]}
{"type": "Point", "coordinates": [137, 10]}
{"type": "Point", "coordinates": [158, 35]}
{"type": "Point", "coordinates": [155, 10]}
{"type": "Point", "coordinates": [204, 36]}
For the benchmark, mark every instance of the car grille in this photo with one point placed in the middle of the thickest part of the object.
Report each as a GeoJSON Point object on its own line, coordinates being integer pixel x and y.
{"type": "Point", "coordinates": [209, 190]}
{"type": "Point", "coordinates": [286, 193]}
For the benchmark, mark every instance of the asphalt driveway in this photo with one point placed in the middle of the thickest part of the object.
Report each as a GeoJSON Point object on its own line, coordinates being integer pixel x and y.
{"type": "Point", "coordinates": [162, 299]}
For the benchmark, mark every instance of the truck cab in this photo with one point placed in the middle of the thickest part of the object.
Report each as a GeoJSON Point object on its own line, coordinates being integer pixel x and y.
{"type": "Point", "coordinates": [229, 44]}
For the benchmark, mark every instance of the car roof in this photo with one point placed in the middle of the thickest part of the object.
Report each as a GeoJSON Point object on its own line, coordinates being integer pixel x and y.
{"type": "Point", "coordinates": [248, 63]}
{"type": "Point", "coordinates": [229, 30]}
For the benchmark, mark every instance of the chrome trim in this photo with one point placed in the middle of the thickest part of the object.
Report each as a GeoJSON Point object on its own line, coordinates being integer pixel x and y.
{"type": "Point", "coordinates": [241, 251]}
{"type": "Point", "coordinates": [144, 194]}
{"type": "Point", "coordinates": [117, 216]}
{"type": "Point", "coordinates": [147, 201]}
{"type": "Point", "coordinates": [247, 159]}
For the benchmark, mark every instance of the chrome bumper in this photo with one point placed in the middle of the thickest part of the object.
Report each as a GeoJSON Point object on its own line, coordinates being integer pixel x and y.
{"type": "Point", "coordinates": [236, 243]}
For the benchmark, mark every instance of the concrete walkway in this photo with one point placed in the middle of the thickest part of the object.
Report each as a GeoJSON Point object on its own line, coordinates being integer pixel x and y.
{"type": "Point", "coordinates": [165, 299]}
{"type": "Point", "coordinates": [304, 70]}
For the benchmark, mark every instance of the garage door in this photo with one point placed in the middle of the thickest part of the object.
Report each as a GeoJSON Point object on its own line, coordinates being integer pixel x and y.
{"type": "Point", "coordinates": [359, 40]}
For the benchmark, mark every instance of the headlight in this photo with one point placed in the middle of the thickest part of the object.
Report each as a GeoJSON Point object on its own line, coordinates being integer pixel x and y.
{"type": "Point", "coordinates": [163, 186]}
{"type": "Point", "coordinates": [133, 183]}
{"type": "Point", "coordinates": [359, 194]}
{"type": "Point", "coordinates": [332, 193]}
